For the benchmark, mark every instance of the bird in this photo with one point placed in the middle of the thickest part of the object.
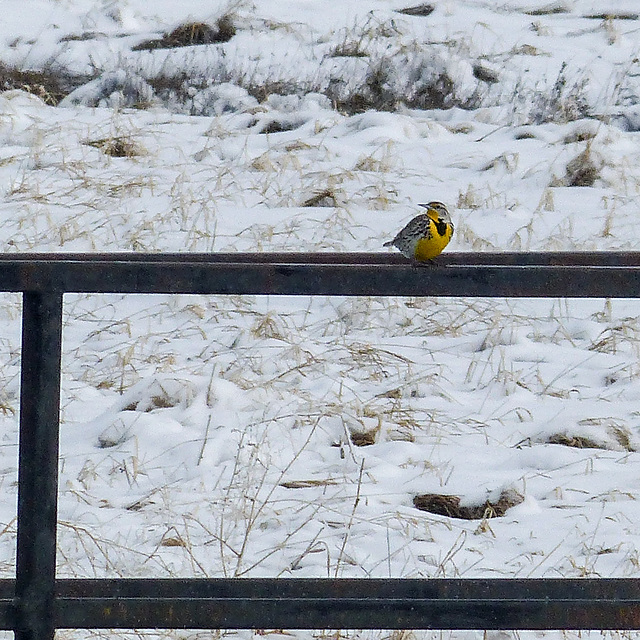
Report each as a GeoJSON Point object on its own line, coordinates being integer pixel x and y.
{"type": "Point", "coordinates": [424, 237]}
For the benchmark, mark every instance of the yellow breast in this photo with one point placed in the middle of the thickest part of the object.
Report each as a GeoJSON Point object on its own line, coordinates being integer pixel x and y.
{"type": "Point", "coordinates": [428, 248]}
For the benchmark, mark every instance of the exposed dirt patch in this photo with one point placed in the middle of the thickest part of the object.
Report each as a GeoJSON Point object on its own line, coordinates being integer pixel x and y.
{"type": "Point", "coordinates": [50, 85]}
{"type": "Point", "coordinates": [448, 505]}
{"type": "Point", "coordinates": [192, 33]}
{"type": "Point", "coordinates": [420, 10]}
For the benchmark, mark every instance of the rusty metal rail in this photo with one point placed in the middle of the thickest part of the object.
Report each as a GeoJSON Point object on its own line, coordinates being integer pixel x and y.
{"type": "Point", "coordinates": [283, 603]}
{"type": "Point", "coordinates": [463, 274]}
{"type": "Point", "coordinates": [35, 603]}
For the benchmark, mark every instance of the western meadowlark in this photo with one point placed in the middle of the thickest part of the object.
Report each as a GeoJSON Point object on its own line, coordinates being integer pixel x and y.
{"type": "Point", "coordinates": [426, 235]}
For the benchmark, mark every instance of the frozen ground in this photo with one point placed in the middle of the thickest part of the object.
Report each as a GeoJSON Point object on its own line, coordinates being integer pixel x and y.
{"type": "Point", "coordinates": [209, 436]}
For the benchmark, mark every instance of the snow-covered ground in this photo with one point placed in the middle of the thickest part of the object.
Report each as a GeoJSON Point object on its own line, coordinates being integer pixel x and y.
{"type": "Point", "coordinates": [221, 436]}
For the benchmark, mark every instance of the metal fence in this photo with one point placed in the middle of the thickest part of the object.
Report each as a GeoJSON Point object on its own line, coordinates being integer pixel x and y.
{"type": "Point", "coordinates": [35, 603]}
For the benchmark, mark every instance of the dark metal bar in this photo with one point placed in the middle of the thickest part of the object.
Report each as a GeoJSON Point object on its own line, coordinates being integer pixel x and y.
{"type": "Point", "coordinates": [41, 604]}
{"type": "Point", "coordinates": [343, 603]}
{"type": "Point", "coordinates": [346, 613]}
{"type": "Point", "coordinates": [502, 258]}
{"type": "Point", "coordinates": [573, 589]}
{"type": "Point", "coordinates": [38, 465]}
{"type": "Point", "coordinates": [321, 279]}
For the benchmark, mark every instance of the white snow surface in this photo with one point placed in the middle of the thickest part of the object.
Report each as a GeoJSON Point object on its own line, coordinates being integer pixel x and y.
{"type": "Point", "coordinates": [212, 436]}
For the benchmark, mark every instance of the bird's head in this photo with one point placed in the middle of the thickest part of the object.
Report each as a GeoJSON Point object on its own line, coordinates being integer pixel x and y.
{"type": "Point", "coordinates": [437, 211]}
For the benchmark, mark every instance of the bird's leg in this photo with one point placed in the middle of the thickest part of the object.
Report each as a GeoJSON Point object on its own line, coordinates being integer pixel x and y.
{"type": "Point", "coordinates": [422, 263]}
{"type": "Point", "coordinates": [431, 262]}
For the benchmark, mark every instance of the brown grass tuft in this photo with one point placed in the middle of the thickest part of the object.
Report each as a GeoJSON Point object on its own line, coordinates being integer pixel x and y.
{"type": "Point", "coordinates": [582, 170]}
{"type": "Point", "coordinates": [578, 442]}
{"type": "Point", "coordinates": [580, 135]}
{"type": "Point", "coordinates": [614, 15]}
{"type": "Point", "coordinates": [448, 505]}
{"type": "Point", "coordinates": [306, 484]}
{"type": "Point", "coordinates": [279, 126]}
{"type": "Point", "coordinates": [622, 437]}
{"type": "Point", "coordinates": [191, 34]}
{"type": "Point", "coordinates": [324, 198]}
{"type": "Point", "coordinates": [549, 9]}
{"type": "Point", "coordinates": [118, 147]}
{"type": "Point", "coordinates": [420, 10]}
{"type": "Point", "coordinates": [352, 49]}
{"type": "Point", "coordinates": [173, 541]}
{"type": "Point", "coordinates": [364, 438]}
{"type": "Point", "coordinates": [50, 85]}
{"type": "Point", "coordinates": [483, 73]}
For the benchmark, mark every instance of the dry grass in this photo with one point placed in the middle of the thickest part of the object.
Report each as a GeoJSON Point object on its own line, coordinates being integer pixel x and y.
{"type": "Point", "coordinates": [50, 84]}
{"type": "Point", "coordinates": [349, 49]}
{"type": "Point", "coordinates": [614, 15]}
{"type": "Point", "coordinates": [173, 541]}
{"type": "Point", "coordinates": [419, 10]}
{"type": "Point", "coordinates": [485, 74]}
{"type": "Point", "coordinates": [553, 8]}
{"type": "Point", "coordinates": [364, 438]}
{"type": "Point", "coordinates": [324, 198]}
{"type": "Point", "coordinates": [279, 126]}
{"type": "Point", "coordinates": [566, 101]}
{"type": "Point", "coordinates": [578, 442]}
{"type": "Point", "coordinates": [579, 135]}
{"type": "Point", "coordinates": [192, 34]}
{"type": "Point", "coordinates": [449, 505]}
{"type": "Point", "coordinates": [117, 147]}
{"type": "Point", "coordinates": [391, 77]}
{"type": "Point", "coordinates": [379, 90]}
{"type": "Point", "coordinates": [582, 171]}
{"type": "Point", "coordinates": [306, 484]}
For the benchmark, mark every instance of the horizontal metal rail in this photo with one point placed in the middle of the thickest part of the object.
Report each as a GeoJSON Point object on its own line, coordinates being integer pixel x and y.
{"type": "Point", "coordinates": [340, 603]}
{"type": "Point", "coordinates": [593, 275]}
{"type": "Point", "coordinates": [35, 604]}
{"type": "Point", "coordinates": [501, 258]}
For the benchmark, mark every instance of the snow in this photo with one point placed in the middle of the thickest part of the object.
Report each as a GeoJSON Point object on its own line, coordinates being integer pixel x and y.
{"type": "Point", "coordinates": [213, 436]}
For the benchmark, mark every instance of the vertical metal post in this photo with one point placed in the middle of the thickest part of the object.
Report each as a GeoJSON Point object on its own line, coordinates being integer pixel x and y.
{"type": "Point", "coordinates": [38, 465]}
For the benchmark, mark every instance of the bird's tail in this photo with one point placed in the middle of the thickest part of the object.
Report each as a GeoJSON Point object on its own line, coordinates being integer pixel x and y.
{"type": "Point", "coordinates": [388, 244]}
